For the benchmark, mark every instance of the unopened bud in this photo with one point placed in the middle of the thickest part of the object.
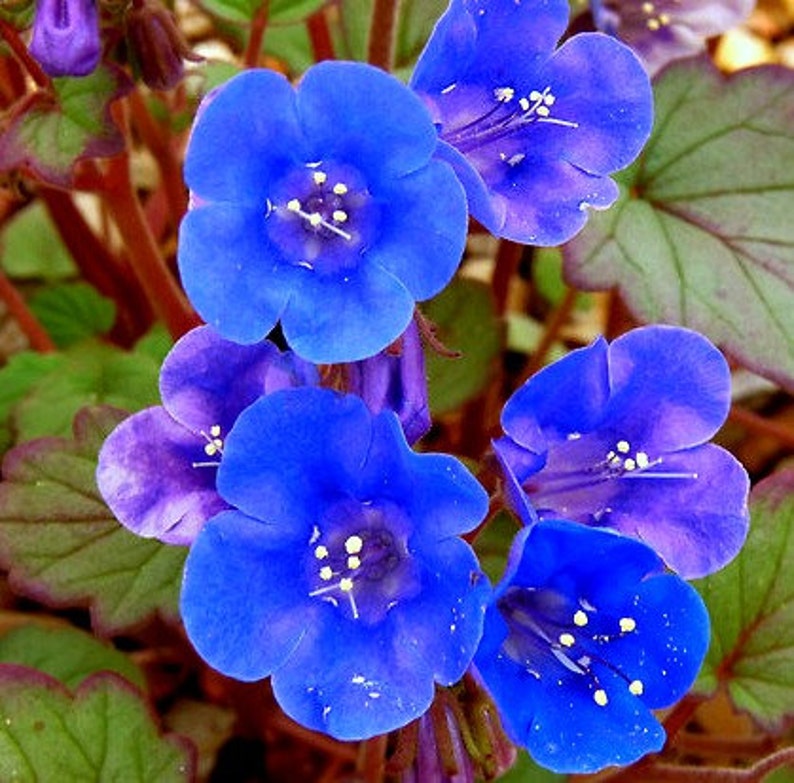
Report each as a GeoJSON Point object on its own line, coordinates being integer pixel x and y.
{"type": "Point", "coordinates": [65, 38]}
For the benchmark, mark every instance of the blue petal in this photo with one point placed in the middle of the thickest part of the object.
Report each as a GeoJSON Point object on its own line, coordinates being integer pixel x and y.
{"type": "Point", "coordinates": [567, 397]}
{"type": "Point", "coordinates": [244, 605]}
{"type": "Point", "coordinates": [333, 319]}
{"type": "Point", "coordinates": [246, 136]}
{"type": "Point", "coordinates": [353, 682]}
{"type": "Point", "coordinates": [206, 380]}
{"type": "Point", "coordinates": [348, 111]}
{"type": "Point", "coordinates": [146, 475]}
{"type": "Point", "coordinates": [294, 452]}
{"type": "Point", "coordinates": [424, 229]}
{"type": "Point", "coordinates": [231, 272]}
{"type": "Point", "coordinates": [670, 388]}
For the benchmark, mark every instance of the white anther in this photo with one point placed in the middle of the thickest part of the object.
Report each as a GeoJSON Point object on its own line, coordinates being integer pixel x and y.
{"type": "Point", "coordinates": [567, 639]}
{"type": "Point", "coordinates": [354, 544]}
{"type": "Point", "coordinates": [627, 624]}
{"type": "Point", "coordinates": [600, 697]}
{"type": "Point", "coordinates": [653, 25]}
{"type": "Point", "coordinates": [346, 584]}
{"type": "Point", "coordinates": [647, 8]}
{"type": "Point", "coordinates": [339, 215]}
{"type": "Point", "coordinates": [319, 177]}
{"type": "Point", "coordinates": [543, 111]}
{"type": "Point", "coordinates": [664, 19]}
{"type": "Point", "coordinates": [642, 459]}
{"type": "Point", "coordinates": [524, 104]}
{"type": "Point", "coordinates": [636, 687]}
{"type": "Point", "coordinates": [504, 94]}
{"type": "Point", "coordinates": [623, 446]}
{"type": "Point", "coordinates": [215, 430]}
{"type": "Point", "coordinates": [321, 552]}
{"type": "Point", "coordinates": [211, 449]}
{"type": "Point", "coordinates": [315, 219]}
{"type": "Point", "coordinates": [340, 188]}
{"type": "Point", "coordinates": [326, 573]}
{"type": "Point", "coordinates": [293, 205]}
{"type": "Point", "coordinates": [353, 562]}
{"type": "Point", "coordinates": [535, 96]}
{"type": "Point", "coordinates": [629, 463]}
{"type": "Point", "coordinates": [580, 618]}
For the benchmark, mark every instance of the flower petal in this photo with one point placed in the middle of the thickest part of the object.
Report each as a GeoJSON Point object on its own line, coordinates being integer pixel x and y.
{"type": "Point", "coordinates": [235, 556]}
{"type": "Point", "coordinates": [231, 272]}
{"type": "Point", "coordinates": [147, 475]}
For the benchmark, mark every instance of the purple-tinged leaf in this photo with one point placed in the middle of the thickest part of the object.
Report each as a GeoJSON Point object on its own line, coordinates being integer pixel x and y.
{"type": "Point", "coordinates": [102, 731]}
{"type": "Point", "coordinates": [53, 132]}
{"type": "Point", "coordinates": [63, 546]}
{"type": "Point", "coordinates": [751, 603]}
{"type": "Point", "coordinates": [702, 234]}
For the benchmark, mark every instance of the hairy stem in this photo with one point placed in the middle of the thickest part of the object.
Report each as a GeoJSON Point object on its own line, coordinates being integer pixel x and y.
{"type": "Point", "coordinates": [17, 307]}
{"type": "Point", "coordinates": [383, 33]}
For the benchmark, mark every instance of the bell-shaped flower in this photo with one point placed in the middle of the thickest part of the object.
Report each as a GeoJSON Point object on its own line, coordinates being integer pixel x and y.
{"type": "Point", "coordinates": [586, 635]}
{"type": "Point", "coordinates": [616, 435]}
{"type": "Point", "coordinates": [359, 594]}
{"type": "Point", "coordinates": [65, 39]}
{"type": "Point", "coordinates": [661, 31]}
{"type": "Point", "coordinates": [533, 133]}
{"type": "Point", "coordinates": [321, 206]}
{"type": "Point", "coordinates": [157, 469]}
{"type": "Point", "coordinates": [395, 379]}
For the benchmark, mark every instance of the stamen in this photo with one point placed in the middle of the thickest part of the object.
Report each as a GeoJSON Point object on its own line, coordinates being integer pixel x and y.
{"type": "Point", "coordinates": [321, 552]}
{"type": "Point", "coordinates": [340, 188]}
{"type": "Point", "coordinates": [319, 177]}
{"type": "Point", "coordinates": [339, 215]}
{"type": "Point", "coordinates": [627, 624]}
{"type": "Point", "coordinates": [326, 573]}
{"type": "Point", "coordinates": [636, 687]}
{"type": "Point", "coordinates": [504, 94]}
{"type": "Point", "coordinates": [600, 697]}
{"type": "Point", "coordinates": [567, 639]}
{"type": "Point", "coordinates": [580, 618]}
{"type": "Point", "coordinates": [315, 219]}
{"type": "Point", "coordinates": [354, 545]}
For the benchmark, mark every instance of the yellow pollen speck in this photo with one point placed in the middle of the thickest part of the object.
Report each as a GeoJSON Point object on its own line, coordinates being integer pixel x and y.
{"type": "Point", "coordinates": [315, 219]}
{"type": "Point", "coordinates": [353, 562]}
{"type": "Point", "coordinates": [580, 618]}
{"type": "Point", "coordinates": [340, 188]}
{"type": "Point", "coordinates": [211, 449]}
{"type": "Point", "coordinates": [293, 205]}
{"type": "Point", "coordinates": [629, 463]}
{"type": "Point", "coordinates": [215, 430]}
{"type": "Point", "coordinates": [504, 94]}
{"type": "Point", "coordinates": [319, 177]}
{"type": "Point", "coordinates": [623, 446]}
{"type": "Point", "coordinates": [664, 19]}
{"type": "Point", "coordinates": [321, 552]}
{"type": "Point", "coordinates": [600, 697]}
{"type": "Point", "coordinates": [636, 687]}
{"type": "Point", "coordinates": [653, 25]}
{"type": "Point", "coordinates": [642, 459]}
{"type": "Point", "coordinates": [346, 584]}
{"type": "Point", "coordinates": [339, 215]}
{"type": "Point", "coordinates": [627, 624]}
{"type": "Point", "coordinates": [567, 640]}
{"type": "Point", "coordinates": [647, 8]}
{"type": "Point", "coordinates": [354, 545]}
{"type": "Point", "coordinates": [326, 573]}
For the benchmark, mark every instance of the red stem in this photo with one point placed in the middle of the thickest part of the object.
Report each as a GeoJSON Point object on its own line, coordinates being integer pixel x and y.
{"type": "Point", "coordinates": [508, 256]}
{"type": "Point", "coordinates": [761, 426]}
{"type": "Point", "coordinates": [258, 28]}
{"type": "Point", "coordinates": [558, 319]}
{"type": "Point", "coordinates": [320, 36]}
{"type": "Point", "coordinates": [382, 33]}
{"type": "Point", "coordinates": [18, 308]}
{"type": "Point", "coordinates": [23, 55]}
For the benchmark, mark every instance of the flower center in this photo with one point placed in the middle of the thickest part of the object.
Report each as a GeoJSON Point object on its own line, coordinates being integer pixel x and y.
{"type": "Point", "coordinates": [509, 114]}
{"type": "Point", "coordinates": [546, 630]}
{"type": "Point", "coordinates": [213, 447]}
{"type": "Point", "coordinates": [367, 570]}
{"type": "Point", "coordinates": [322, 216]}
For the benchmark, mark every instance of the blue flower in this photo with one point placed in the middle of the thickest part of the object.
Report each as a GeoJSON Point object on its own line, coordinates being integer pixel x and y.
{"type": "Point", "coordinates": [533, 133]}
{"type": "Point", "coordinates": [157, 469]}
{"type": "Point", "coordinates": [65, 38]}
{"type": "Point", "coordinates": [585, 636]}
{"type": "Point", "coordinates": [341, 574]}
{"type": "Point", "coordinates": [322, 207]}
{"type": "Point", "coordinates": [395, 380]}
{"type": "Point", "coordinates": [616, 436]}
{"type": "Point", "coordinates": [665, 30]}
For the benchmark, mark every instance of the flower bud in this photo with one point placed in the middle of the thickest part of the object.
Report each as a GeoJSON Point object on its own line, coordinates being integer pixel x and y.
{"type": "Point", "coordinates": [157, 47]}
{"type": "Point", "coordinates": [66, 37]}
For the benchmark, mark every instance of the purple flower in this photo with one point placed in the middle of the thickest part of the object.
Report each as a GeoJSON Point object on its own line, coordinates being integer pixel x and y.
{"type": "Point", "coordinates": [616, 436]}
{"type": "Point", "coordinates": [322, 207]}
{"type": "Point", "coordinates": [665, 30]}
{"type": "Point", "coordinates": [359, 595]}
{"type": "Point", "coordinates": [532, 132]}
{"type": "Point", "coordinates": [585, 636]}
{"type": "Point", "coordinates": [395, 380]}
{"type": "Point", "coordinates": [66, 37]}
{"type": "Point", "coordinates": [157, 469]}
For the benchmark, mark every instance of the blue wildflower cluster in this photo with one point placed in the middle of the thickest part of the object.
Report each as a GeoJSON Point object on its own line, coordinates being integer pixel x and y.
{"type": "Point", "coordinates": [325, 552]}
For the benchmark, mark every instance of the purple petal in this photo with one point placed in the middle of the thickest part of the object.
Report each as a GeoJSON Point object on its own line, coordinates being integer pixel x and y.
{"type": "Point", "coordinates": [148, 476]}
{"type": "Point", "coordinates": [66, 37]}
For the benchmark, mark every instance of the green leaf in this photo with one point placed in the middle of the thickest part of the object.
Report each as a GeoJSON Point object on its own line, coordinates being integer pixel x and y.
{"type": "Point", "coordinates": [63, 546]}
{"type": "Point", "coordinates": [66, 653]}
{"type": "Point", "coordinates": [104, 732]}
{"type": "Point", "coordinates": [493, 544]}
{"type": "Point", "coordinates": [417, 19]}
{"type": "Point", "coordinates": [279, 11]}
{"type": "Point", "coordinates": [32, 248]}
{"type": "Point", "coordinates": [751, 603]}
{"type": "Point", "coordinates": [525, 770]}
{"type": "Point", "coordinates": [71, 312]}
{"type": "Point", "coordinates": [352, 29]}
{"type": "Point", "coordinates": [466, 321]}
{"type": "Point", "coordinates": [92, 374]}
{"type": "Point", "coordinates": [702, 234]}
{"type": "Point", "coordinates": [57, 130]}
